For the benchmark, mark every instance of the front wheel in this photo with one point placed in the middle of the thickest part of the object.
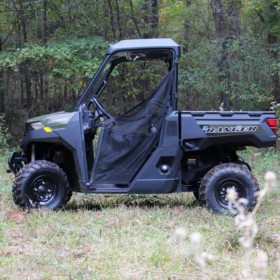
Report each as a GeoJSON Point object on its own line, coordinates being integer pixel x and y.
{"type": "Point", "coordinates": [41, 184]}
{"type": "Point", "coordinates": [216, 182]}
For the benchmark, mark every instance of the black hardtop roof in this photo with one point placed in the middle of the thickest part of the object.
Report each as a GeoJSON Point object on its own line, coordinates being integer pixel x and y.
{"type": "Point", "coordinates": [134, 44]}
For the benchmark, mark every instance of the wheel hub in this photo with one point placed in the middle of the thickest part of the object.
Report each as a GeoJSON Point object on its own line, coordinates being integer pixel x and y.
{"type": "Point", "coordinates": [221, 193]}
{"type": "Point", "coordinates": [43, 190]}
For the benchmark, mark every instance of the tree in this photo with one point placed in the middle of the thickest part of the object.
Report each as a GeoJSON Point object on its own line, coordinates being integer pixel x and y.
{"type": "Point", "coordinates": [150, 11]}
{"type": "Point", "coordinates": [223, 65]}
{"type": "Point", "coordinates": [50, 48]}
{"type": "Point", "coordinates": [227, 25]}
{"type": "Point", "coordinates": [2, 88]}
{"type": "Point", "coordinates": [272, 39]}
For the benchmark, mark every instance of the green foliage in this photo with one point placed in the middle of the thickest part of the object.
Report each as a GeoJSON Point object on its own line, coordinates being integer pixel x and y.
{"type": "Point", "coordinates": [50, 49]}
{"type": "Point", "coordinates": [262, 160]}
{"type": "Point", "coordinates": [265, 11]}
{"type": "Point", "coordinates": [188, 22]}
{"type": "Point", "coordinates": [4, 135]}
{"type": "Point", "coordinates": [58, 72]}
{"type": "Point", "coordinates": [131, 83]}
{"type": "Point", "coordinates": [71, 59]}
{"type": "Point", "coordinates": [248, 84]}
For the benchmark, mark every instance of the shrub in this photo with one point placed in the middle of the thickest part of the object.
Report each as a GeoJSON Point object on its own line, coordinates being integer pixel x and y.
{"type": "Point", "coordinates": [4, 134]}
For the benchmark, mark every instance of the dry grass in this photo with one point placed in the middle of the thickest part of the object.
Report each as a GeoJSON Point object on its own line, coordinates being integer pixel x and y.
{"type": "Point", "coordinates": [113, 237]}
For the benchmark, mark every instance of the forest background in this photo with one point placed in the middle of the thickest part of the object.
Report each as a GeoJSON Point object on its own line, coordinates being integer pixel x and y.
{"type": "Point", "coordinates": [49, 49]}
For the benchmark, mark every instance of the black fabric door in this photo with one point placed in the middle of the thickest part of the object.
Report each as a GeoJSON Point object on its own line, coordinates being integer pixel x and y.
{"type": "Point", "coordinates": [127, 142]}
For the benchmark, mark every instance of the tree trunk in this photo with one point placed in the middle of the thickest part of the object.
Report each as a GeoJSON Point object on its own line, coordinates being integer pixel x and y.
{"type": "Point", "coordinates": [25, 71]}
{"type": "Point", "coordinates": [119, 21]}
{"type": "Point", "coordinates": [134, 19]}
{"type": "Point", "coordinates": [2, 87]}
{"type": "Point", "coordinates": [112, 19]}
{"type": "Point", "coordinates": [45, 83]}
{"type": "Point", "coordinates": [150, 11]}
{"type": "Point", "coordinates": [219, 19]}
{"type": "Point", "coordinates": [45, 32]}
{"type": "Point", "coordinates": [234, 25]}
{"type": "Point", "coordinates": [154, 10]}
{"type": "Point", "coordinates": [23, 21]}
{"type": "Point", "coordinates": [234, 32]}
{"type": "Point", "coordinates": [187, 28]}
{"type": "Point", "coordinates": [105, 21]}
{"type": "Point", "coordinates": [223, 65]}
{"type": "Point", "coordinates": [27, 81]}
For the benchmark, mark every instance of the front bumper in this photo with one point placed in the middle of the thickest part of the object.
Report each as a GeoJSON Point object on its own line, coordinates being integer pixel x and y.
{"type": "Point", "coordinates": [16, 161]}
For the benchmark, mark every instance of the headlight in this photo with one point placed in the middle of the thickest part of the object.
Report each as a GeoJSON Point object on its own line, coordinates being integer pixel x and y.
{"type": "Point", "coordinates": [37, 125]}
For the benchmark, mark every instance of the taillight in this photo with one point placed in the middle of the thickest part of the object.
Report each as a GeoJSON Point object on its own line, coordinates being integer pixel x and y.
{"type": "Point", "coordinates": [273, 125]}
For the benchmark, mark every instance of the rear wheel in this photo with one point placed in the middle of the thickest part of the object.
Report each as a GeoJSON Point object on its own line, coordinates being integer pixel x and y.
{"type": "Point", "coordinates": [197, 197]}
{"type": "Point", "coordinates": [216, 182]}
{"type": "Point", "coordinates": [41, 184]}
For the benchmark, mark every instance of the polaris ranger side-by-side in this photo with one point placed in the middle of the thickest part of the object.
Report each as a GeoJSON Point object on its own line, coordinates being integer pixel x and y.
{"type": "Point", "coordinates": [151, 147]}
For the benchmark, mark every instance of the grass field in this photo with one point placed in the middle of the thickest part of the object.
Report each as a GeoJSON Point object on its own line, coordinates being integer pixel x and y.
{"type": "Point", "coordinates": [137, 237]}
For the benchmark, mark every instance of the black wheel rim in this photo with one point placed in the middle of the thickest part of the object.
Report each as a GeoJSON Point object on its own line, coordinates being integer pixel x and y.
{"type": "Point", "coordinates": [43, 190]}
{"type": "Point", "coordinates": [223, 186]}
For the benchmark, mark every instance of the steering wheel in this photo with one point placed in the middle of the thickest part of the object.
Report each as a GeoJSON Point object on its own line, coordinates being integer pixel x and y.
{"type": "Point", "coordinates": [99, 109]}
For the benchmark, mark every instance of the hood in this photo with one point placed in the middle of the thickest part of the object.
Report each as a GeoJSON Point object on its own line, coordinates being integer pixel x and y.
{"type": "Point", "coordinates": [56, 120]}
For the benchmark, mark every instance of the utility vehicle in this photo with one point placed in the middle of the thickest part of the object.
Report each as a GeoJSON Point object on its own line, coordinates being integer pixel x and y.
{"type": "Point", "coordinates": [143, 144]}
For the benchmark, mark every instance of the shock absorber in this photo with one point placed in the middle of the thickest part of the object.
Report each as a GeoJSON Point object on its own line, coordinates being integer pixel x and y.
{"type": "Point", "coordinates": [33, 153]}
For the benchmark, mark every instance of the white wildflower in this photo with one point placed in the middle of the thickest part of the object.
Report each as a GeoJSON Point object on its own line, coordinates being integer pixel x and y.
{"type": "Point", "coordinates": [178, 235]}
{"type": "Point", "coordinates": [262, 193]}
{"type": "Point", "coordinates": [196, 252]}
{"type": "Point", "coordinates": [196, 238]}
{"type": "Point", "coordinates": [270, 177]}
{"type": "Point", "coordinates": [260, 264]}
{"type": "Point", "coordinates": [231, 195]}
{"type": "Point", "coordinates": [250, 230]}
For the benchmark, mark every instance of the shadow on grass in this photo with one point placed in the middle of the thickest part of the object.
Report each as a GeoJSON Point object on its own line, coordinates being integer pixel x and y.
{"type": "Point", "coordinates": [99, 202]}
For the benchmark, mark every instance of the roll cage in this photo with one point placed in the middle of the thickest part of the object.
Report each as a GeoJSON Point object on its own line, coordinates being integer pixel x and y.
{"type": "Point", "coordinates": [130, 50]}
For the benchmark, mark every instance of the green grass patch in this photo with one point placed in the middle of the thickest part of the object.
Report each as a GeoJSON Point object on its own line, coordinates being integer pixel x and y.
{"type": "Point", "coordinates": [128, 237]}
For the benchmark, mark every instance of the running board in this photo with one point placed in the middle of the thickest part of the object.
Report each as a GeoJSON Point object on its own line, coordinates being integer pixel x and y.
{"type": "Point", "coordinates": [107, 188]}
